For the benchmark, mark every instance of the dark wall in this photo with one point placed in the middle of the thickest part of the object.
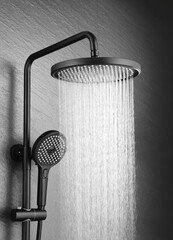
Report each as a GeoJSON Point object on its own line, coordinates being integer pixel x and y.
{"type": "Point", "coordinates": [154, 131]}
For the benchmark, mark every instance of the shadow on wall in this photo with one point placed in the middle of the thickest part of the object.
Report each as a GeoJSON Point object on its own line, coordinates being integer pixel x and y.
{"type": "Point", "coordinates": [12, 191]}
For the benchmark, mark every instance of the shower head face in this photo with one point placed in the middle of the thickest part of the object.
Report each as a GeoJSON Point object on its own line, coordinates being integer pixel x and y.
{"type": "Point", "coordinates": [95, 70]}
{"type": "Point", "coordinates": [49, 149]}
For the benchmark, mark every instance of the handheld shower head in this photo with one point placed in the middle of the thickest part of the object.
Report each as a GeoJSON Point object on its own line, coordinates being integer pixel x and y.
{"type": "Point", "coordinates": [47, 151]}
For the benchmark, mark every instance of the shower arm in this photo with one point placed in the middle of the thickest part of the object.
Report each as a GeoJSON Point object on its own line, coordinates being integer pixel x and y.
{"type": "Point", "coordinates": [26, 213]}
{"type": "Point", "coordinates": [27, 72]}
{"type": "Point", "coordinates": [27, 91]}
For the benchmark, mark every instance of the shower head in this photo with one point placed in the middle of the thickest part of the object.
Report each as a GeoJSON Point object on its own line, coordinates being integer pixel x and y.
{"type": "Point", "coordinates": [95, 70]}
{"type": "Point", "coordinates": [47, 151]}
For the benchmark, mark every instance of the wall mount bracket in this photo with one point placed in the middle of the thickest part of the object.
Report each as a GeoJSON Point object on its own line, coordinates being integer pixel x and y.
{"type": "Point", "coordinates": [16, 152]}
{"type": "Point", "coordinates": [21, 215]}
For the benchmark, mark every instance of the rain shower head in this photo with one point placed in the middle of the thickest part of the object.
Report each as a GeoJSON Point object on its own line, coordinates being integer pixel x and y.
{"type": "Point", "coordinates": [95, 70]}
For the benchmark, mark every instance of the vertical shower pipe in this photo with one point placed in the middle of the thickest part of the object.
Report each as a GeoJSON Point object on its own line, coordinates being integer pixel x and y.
{"type": "Point", "coordinates": [27, 109]}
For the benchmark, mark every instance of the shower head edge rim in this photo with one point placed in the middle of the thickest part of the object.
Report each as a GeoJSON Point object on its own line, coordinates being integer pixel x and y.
{"type": "Point", "coordinates": [96, 61]}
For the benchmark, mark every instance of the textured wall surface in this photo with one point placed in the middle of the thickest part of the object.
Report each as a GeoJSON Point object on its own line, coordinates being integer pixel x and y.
{"type": "Point", "coordinates": [136, 30]}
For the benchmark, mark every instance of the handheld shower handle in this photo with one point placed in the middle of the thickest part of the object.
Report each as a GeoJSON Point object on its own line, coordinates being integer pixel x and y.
{"type": "Point", "coordinates": [42, 187]}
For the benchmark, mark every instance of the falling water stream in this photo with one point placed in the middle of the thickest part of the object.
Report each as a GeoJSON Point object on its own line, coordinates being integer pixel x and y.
{"type": "Point", "coordinates": [98, 122]}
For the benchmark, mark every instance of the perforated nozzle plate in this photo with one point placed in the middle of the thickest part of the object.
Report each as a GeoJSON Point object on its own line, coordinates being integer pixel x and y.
{"type": "Point", "coordinates": [49, 148]}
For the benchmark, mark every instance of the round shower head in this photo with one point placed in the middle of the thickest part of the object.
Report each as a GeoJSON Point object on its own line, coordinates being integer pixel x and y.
{"type": "Point", "coordinates": [49, 149]}
{"type": "Point", "coordinates": [95, 70]}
